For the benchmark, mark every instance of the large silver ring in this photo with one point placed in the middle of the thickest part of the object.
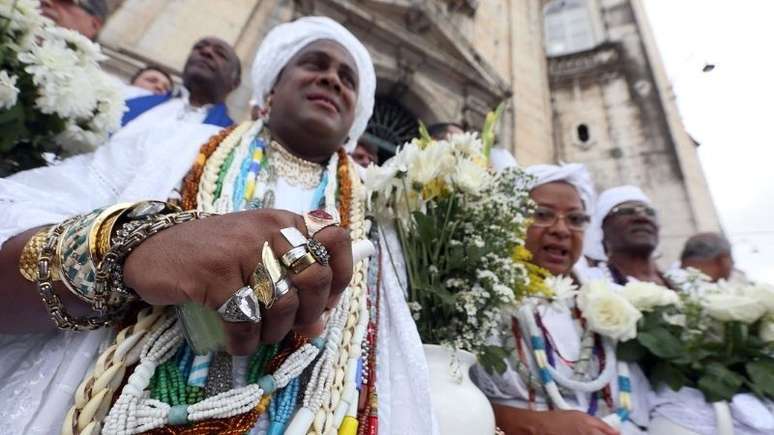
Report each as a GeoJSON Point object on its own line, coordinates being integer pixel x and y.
{"type": "Point", "coordinates": [242, 306]}
{"type": "Point", "coordinates": [293, 255]}
{"type": "Point", "coordinates": [294, 236]}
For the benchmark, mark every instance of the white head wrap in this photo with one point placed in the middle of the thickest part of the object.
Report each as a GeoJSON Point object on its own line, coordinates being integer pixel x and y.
{"type": "Point", "coordinates": [286, 40]}
{"type": "Point", "coordinates": [592, 244]}
{"type": "Point", "coordinates": [575, 174]}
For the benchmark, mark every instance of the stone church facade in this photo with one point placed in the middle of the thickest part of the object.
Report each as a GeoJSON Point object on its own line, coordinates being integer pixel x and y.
{"type": "Point", "coordinates": [582, 79]}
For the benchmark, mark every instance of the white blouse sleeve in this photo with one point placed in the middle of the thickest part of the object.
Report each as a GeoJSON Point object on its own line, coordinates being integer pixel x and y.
{"type": "Point", "coordinates": [51, 194]}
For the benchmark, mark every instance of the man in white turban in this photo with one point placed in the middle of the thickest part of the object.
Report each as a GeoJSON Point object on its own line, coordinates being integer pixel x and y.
{"type": "Point", "coordinates": [290, 162]}
{"type": "Point", "coordinates": [624, 232]}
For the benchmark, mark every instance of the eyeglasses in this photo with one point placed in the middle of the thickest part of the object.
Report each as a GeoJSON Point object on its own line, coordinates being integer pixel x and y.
{"type": "Point", "coordinates": [631, 210]}
{"type": "Point", "coordinates": [545, 217]}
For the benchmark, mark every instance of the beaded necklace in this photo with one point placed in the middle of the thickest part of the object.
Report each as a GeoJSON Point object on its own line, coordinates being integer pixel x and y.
{"type": "Point", "coordinates": [334, 392]}
{"type": "Point", "coordinates": [552, 381]}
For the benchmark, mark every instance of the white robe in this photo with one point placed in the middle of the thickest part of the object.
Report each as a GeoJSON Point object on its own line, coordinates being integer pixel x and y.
{"type": "Point", "coordinates": [40, 372]}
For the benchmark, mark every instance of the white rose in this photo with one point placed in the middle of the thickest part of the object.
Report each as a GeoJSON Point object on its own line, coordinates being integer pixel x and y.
{"type": "Point", "coordinates": [766, 331]}
{"type": "Point", "coordinates": [645, 296]}
{"type": "Point", "coordinates": [607, 312]}
{"type": "Point", "coordinates": [470, 177]}
{"type": "Point", "coordinates": [763, 293]}
{"type": "Point", "coordinates": [9, 93]}
{"type": "Point", "coordinates": [728, 307]}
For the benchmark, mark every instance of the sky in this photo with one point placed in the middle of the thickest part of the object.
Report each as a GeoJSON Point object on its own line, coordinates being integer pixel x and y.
{"type": "Point", "coordinates": [727, 110]}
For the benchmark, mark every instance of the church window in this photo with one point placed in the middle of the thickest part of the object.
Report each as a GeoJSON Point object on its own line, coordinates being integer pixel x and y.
{"type": "Point", "coordinates": [583, 133]}
{"type": "Point", "coordinates": [571, 26]}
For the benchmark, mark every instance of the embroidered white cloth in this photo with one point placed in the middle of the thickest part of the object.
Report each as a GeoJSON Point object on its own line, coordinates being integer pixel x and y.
{"type": "Point", "coordinates": [150, 165]}
{"type": "Point", "coordinates": [592, 243]}
{"type": "Point", "coordinates": [287, 39]}
{"type": "Point", "coordinates": [176, 109]}
{"type": "Point", "coordinates": [575, 174]}
{"type": "Point", "coordinates": [688, 408]}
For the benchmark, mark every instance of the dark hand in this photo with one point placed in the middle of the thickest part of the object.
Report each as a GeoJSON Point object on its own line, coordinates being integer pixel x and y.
{"type": "Point", "coordinates": [207, 260]}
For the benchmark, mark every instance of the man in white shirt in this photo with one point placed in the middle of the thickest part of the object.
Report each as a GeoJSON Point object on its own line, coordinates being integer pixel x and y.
{"type": "Point", "coordinates": [211, 72]}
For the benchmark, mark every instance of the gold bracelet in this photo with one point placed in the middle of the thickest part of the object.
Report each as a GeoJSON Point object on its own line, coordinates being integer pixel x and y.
{"type": "Point", "coordinates": [28, 261]}
{"type": "Point", "coordinates": [101, 227]}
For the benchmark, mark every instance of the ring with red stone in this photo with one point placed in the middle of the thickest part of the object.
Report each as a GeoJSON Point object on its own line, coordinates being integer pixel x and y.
{"type": "Point", "coordinates": [317, 220]}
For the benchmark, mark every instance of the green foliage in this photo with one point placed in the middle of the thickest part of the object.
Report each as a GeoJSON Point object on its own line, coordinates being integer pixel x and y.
{"type": "Point", "coordinates": [459, 267]}
{"type": "Point", "coordinates": [720, 359]}
{"type": "Point", "coordinates": [488, 132]}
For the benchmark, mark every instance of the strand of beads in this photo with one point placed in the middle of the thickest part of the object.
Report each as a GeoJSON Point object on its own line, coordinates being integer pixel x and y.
{"type": "Point", "coordinates": [344, 397]}
{"type": "Point", "coordinates": [225, 201]}
{"type": "Point", "coordinates": [209, 177]}
{"type": "Point", "coordinates": [365, 422]}
{"type": "Point", "coordinates": [591, 386]}
{"type": "Point", "coordinates": [191, 179]}
{"type": "Point", "coordinates": [282, 407]}
{"type": "Point", "coordinates": [315, 388]}
{"type": "Point", "coordinates": [126, 415]}
{"type": "Point", "coordinates": [526, 317]}
{"type": "Point", "coordinates": [94, 395]}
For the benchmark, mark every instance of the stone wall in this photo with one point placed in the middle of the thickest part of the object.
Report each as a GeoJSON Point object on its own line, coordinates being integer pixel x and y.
{"type": "Point", "coordinates": [633, 134]}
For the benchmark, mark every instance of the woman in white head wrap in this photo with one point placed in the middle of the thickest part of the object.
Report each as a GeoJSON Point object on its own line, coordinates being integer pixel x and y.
{"type": "Point", "coordinates": [334, 92]}
{"type": "Point", "coordinates": [563, 195]}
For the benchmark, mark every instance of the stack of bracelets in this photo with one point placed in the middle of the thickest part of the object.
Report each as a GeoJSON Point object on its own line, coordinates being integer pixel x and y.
{"type": "Point", "coordinates": [86, 253]}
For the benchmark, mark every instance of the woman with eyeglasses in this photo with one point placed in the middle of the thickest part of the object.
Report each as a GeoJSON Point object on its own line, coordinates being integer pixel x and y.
{"type": "Point", "coordinates": [562, 195]}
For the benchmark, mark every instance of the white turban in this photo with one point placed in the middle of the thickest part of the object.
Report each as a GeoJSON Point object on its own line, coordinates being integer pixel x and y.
{"type": "Point", "coordinates": [575, 174]}
{"type": "Point", "coordinates": [609, 199]}
{"type": "Point", "coordinates": [286, 40]}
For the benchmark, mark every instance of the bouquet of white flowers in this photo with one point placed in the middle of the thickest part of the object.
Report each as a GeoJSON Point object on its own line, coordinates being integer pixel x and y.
{"type": "Point", "coordinates": [54, 97]}
{"type": "Point", "coordinates": [458, 224]}
{"type": "Point", "coordinates": [717, 339]}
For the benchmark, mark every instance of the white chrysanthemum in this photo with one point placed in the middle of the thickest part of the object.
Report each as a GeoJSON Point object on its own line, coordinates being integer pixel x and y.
{"type": "Point", "coordinates": [427, 164]}
{"type": "Point", "coordinates": [24, 15]}
{"type": "Point", "coordinates": [470, 177]}
{"type": "Point", "coordinates": [87, 51]}
{"type": "Point", "coordinates": [73, 97]}
{"type": "Point", "coordinates": [467, 143]}
{"type": "Point", "coordinates": [9, 93]}
{"type": "Point", "coordinates": [562, 286]}
{"type": "Point", "coordinates": [48, 62]}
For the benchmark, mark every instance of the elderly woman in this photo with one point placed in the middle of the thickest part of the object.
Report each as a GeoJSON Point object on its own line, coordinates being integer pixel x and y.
{"type": "Point", "coordinates": [563, 194]}
{"type": "Point", "coordinates": [309, 345]}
